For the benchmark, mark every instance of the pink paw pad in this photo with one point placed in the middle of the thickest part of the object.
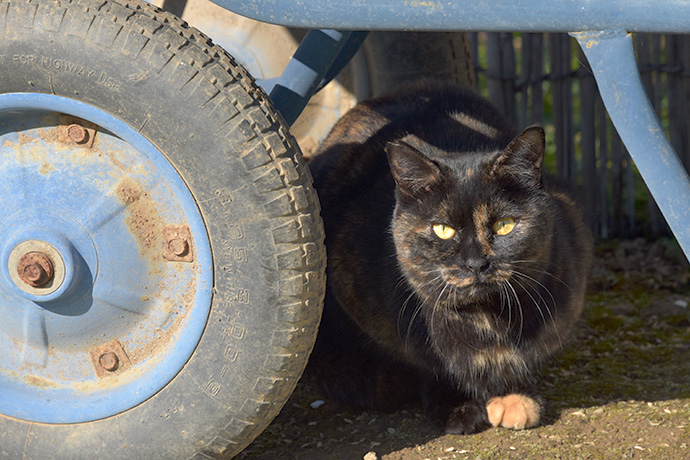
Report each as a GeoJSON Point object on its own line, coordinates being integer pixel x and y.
{"type": "Point", "coordinates": [513, 411]}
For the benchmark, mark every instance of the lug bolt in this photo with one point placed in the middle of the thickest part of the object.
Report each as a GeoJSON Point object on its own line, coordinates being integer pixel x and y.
{"type": "Point", "coordinates": [77, 133]}
{"type": "Point", "coordinates": [35, 269]}
{"type": "Point", "coordinates": [109, 361]}
{"type": "Point", "coordinates": [178, 246]}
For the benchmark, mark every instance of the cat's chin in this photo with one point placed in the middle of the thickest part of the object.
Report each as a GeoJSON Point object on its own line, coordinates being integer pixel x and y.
{"type": "Point", "coordinates": [473, 294]}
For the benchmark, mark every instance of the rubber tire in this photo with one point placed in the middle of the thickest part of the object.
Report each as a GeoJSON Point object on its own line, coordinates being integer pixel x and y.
{"type": "Point", "coordinates": [394, 58]}
{"type": "Point", "coordinates": [207, 116]}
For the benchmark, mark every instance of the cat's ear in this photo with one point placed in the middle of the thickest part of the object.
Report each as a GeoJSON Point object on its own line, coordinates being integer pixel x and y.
{"type": "Point", "coordinates": [524, 156]}
{"type": "Point", "coordinates": [414, 173]}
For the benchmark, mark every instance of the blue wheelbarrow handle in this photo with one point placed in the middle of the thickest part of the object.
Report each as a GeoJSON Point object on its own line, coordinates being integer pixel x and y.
{"type": "Point", "coordinates": [667, 16]}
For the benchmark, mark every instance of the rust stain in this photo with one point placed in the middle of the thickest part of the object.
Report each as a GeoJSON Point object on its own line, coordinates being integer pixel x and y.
{"type": "Point", "coordinates": [143, 220]}
{"type": "Point", "coordinates": [46, 168]}
{"type": "Point", "coordinates": [24, 139]}
{"type": "Point", "coordinates": [128, 190]}
{"type": "Point", "coordinates": [41, 382]}
{"type": "Point", "coordinates": [422, 4]}
{"type": "Point", "coordinates": [165, 337]}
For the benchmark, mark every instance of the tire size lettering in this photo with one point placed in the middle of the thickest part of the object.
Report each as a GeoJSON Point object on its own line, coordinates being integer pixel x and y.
{"type": "Point", "coordinates": [232, 296]}
{"type": "Point", "coordinates": [224, 197]}
{"type": "Point", "coordinates": [231, 354]}
{"type": "Point", "coordinates": [213, 388]}
{"type": "Point", "coordinates": [224, 371]}
{"type": "Point", "coordinates": [23, 59]}
{"type": "Point", "coordinates": [235, 232]}
{"type": "Point", "coordinates": [239, 296]}
{"type": "Point", "coordinates": [240, 255]}
{"type": "Point", "coordinates": [62, 65]}
{"type": "Point", "coordinates": [236, 331]}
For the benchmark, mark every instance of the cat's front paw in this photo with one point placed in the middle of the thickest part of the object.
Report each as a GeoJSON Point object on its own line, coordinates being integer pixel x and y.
{"type": "Point", "coordinates": [467, 418]}
{"type": "Point", "coordinates": [514, 411]}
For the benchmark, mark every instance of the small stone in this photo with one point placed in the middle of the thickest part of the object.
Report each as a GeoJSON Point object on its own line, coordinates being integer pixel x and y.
{"type": "Point", "coordinates": [318, 403]}
{"type": "Point", "coordinates": [371, 456]}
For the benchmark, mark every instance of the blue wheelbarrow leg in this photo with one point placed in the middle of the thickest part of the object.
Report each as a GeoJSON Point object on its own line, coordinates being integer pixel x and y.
{"type": "Point", "coordinates": [312, 64]}
{"type": "Point", "coordinates": [612, 59]}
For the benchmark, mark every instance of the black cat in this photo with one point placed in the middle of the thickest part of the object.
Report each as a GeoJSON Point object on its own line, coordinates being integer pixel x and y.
{"type": "Point", "coordinates": [455, 268]}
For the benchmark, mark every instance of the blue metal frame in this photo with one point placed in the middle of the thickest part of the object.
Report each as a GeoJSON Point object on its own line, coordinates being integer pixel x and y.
{"type": "Point", "coordinates": [602, 29]}
{"type": "Point", "coordinates": [612, 58]}
{"type": "Point", "coordinates": [306, 70]}
{"type": "Point", "coordinates": [669, 16]}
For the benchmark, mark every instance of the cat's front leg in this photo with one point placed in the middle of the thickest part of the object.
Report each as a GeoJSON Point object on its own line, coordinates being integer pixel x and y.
{"type": "Point", "coordinates": [448, 409]}
{"type": "Point", "coordinates": [516, 411]}
{"type": "Point", "coordinates": [468, 418]}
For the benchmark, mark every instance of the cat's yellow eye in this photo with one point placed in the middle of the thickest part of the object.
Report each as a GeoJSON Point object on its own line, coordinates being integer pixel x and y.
{"type": "Point", "coordinates": [504, 226]}
{"type": "Point", "coordinates": [444, 231]}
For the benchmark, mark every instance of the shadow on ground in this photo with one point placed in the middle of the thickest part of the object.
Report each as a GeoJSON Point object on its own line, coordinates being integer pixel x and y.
{"type": "Point", "coordinates": [619, 389]}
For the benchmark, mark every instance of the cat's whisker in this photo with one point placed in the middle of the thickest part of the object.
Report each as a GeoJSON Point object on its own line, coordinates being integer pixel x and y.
{"type": "Point", "coordinates": [440, 284]}
{"type": "Point", "coordinates": [411, 323]}
{"type": "Point", "coordinates": [504, 296]}
{"type": "Point", "coordinates": [528, 279]}
{"type": "Point", "coordinates": [555, 328]}
{"type": "Point", "coordinates": [543, 272]}
{"type": "Point", "coordinates": [401, 316]}
{"type": "Point", "coordinates": [519, 310]}
{"type": "Point", "coordinates": [433, 313]}
{"type": "Point", "coordinates": [534, 300]}
{"type": "Point", "coordinates": [510, 306]}
{"type": "Point", "coordinates": [416, 312]}
{"type": "Point", "coordinates": [540, 284]}
{"type": "Point", "coordinates": [400, 283]}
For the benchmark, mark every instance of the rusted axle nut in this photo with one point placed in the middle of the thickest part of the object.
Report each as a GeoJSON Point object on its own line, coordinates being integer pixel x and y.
{"type": "Point", "coordinates": [35, 269]}
{"type": "Point", "coordinates": [178, 246]}
{"type": "Point", "coordinates": [109, 361]}
{"type": "Point", "coordinates": [77, 133]}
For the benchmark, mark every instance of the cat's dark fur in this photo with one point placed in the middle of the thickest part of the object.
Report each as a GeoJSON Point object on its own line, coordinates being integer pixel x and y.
{"type": "Point", "coordinates": [462, 323]}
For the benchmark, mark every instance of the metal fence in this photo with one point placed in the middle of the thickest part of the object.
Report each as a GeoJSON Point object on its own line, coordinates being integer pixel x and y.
{"type": "Point", "coordinates": [545, 79]}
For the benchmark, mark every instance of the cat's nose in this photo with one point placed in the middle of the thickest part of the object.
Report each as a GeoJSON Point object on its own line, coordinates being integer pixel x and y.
{"type": "Point", "coordinates": [477, 265]}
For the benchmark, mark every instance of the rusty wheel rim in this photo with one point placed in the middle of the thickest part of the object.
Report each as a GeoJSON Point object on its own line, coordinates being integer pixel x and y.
{"type": "Point", "coordinates": [106, 265]}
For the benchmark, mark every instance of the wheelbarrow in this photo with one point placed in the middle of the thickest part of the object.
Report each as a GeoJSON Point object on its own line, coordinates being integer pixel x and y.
{"type": "Point", "coordinates": [162, 260]}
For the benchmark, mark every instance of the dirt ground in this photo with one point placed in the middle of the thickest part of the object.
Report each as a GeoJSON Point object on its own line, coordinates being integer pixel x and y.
{"type": "Point", "coordinates": [619, 390]}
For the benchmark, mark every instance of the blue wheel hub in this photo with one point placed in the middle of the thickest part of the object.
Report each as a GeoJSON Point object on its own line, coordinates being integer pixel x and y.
{"type": "Point", "coordinates": [105, 264]}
